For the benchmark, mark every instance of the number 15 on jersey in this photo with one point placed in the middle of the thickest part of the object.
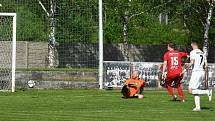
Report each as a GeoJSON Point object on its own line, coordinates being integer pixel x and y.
{"type": "Point", "coordinates": [174, 61]}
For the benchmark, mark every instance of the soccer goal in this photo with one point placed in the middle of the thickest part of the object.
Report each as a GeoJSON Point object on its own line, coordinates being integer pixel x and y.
{"type": "Point", "coordinates": [7, 51]}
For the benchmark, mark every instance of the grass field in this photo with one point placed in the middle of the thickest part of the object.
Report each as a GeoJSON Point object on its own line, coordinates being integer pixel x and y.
{"type": "Point", "coordinates": [97, 105]}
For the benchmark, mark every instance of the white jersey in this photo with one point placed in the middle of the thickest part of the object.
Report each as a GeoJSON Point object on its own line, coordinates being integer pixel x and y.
{"type": "Point", "coordinates": [199, 59]}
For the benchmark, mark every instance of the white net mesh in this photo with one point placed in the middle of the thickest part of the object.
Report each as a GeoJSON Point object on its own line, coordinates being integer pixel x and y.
{"type": "Point", "coordinates": [6, 35]}
{"type": "Point", "coordinates": [66, 29]}
{"type": "Point", "coordinates": [57, 40]}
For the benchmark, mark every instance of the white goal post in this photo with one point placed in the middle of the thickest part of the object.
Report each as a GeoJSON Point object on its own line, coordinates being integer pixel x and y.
{"type": "Point", "coordinates": [8, 40]}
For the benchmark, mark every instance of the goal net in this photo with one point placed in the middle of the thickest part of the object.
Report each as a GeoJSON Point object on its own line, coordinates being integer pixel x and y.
{"type": "Point", "coordinates": [7, 51]}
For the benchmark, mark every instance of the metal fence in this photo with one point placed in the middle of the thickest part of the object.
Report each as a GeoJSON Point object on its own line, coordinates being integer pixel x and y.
{"type": "Point", "coordinates": [66, 26]}
{"type": "Point", "coordinates": [54, 37]}
{"type": "Point", "coordinates": [69, 33]}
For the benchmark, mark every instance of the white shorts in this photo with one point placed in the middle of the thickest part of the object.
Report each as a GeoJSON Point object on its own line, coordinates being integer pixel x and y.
{"type": "Point", "coordinates": [197, 77]}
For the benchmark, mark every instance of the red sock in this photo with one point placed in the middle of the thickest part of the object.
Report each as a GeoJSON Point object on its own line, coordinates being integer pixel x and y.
{"type": "Point", "coordinates": [170, 90]}
{"type": "Point", "coordinates": [180, 92]}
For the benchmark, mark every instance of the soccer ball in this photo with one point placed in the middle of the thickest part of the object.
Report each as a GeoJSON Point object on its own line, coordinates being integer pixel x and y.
{"type": "Point", "coordinates": [31, 83]}
{"type": "Point", "coordinates": [0, 5]}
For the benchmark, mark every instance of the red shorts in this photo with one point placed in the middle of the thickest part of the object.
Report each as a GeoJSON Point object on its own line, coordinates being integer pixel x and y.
{"type": "Point", "coordinates": [173, 78]}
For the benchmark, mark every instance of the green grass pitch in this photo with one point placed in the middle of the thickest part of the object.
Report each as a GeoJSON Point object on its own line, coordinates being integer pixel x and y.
{"type": "Point", "coordinates": [99, 105]}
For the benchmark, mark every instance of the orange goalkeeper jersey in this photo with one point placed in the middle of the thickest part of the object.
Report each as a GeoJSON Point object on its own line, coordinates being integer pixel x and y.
{"type": "Point", "coordinates": [137, 83]}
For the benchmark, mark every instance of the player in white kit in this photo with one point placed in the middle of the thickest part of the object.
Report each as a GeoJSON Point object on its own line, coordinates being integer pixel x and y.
{"type": "Point", "coordinates": [198, 61]}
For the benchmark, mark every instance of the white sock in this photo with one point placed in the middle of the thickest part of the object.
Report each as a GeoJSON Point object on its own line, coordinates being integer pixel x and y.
{"type": "Point", "coordinates": [200, 92]}
{"type": "Point", "coordinates": [197, 101]}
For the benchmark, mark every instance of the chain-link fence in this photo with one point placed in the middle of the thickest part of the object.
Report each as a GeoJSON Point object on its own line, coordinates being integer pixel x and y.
{"type": "Point", "coordinates": [68, 28]}
{"type": "Point", "coordinates": [57, 40]}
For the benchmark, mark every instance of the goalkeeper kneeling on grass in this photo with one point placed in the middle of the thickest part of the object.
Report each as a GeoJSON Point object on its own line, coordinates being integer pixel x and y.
{"type": "Point", "coordinates": [133, 87]}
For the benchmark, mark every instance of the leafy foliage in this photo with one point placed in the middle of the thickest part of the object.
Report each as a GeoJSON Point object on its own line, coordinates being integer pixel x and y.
{"type": "Point", "coordinates": [30, 26]}
{"type": "Point", "coordinates": [77, 20]}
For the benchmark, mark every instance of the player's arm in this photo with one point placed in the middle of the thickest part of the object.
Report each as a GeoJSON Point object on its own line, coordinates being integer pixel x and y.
{"type": "Point", "coordinates": [141, 88]}
{"type": "Point", "coordinates": [164, 68]}
{"type": "Point", "coordinates": [129, 84]}
{"type": "Point", "coordinates": [140, 91]}
{"type": "Point", "coordinates": [191, 63]}
{"type": "Point", "coordinates": [188, 66]}
{"type": "Point", "coordinates": [206, 73]}
{"type": "Point", "coordinates": [183, 54]}
{"type": "Point", "coordinates": [164, 64]}
{"type": "Point", "coordinates": [206, 62]}
{"type": "Point", "coordinates": [192, 60]}
{"type": "Point", "coordinates": [186, 61]}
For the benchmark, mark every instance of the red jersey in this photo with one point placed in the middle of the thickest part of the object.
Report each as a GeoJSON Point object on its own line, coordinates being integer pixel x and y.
{"type": "Point", "coordinates": [174, 61]}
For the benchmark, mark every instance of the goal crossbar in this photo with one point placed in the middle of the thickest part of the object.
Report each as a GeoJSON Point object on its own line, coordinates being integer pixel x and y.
{"type": "Point", "coordinates": [8, 14]}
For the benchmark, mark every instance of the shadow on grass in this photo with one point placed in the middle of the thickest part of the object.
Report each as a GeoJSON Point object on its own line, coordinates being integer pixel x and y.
{"type": "Point", "coordinates": [175, 100]}
{"type": "Point", "coordinates": [207, 108]}
{"type": "Point", "coordinates": [134, 97]}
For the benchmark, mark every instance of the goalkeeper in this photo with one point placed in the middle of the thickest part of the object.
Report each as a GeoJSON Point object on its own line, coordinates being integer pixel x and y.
{"type": "Point", "coordinates": [133, 87]}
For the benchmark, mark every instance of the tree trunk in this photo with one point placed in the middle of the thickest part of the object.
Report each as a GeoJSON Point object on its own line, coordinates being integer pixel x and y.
{"type": "Point", "coordinates": [163, 18]}
{"type": "Point", "coordinates": [207, 27]}
{"type": "Point", "coordinates": [125, 36]}
{"type": "Point", "coordinates": [52, 51]}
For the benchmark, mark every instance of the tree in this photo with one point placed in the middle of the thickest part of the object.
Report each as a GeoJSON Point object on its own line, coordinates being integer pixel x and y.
{"type": "Point", "coordinates": [130, 12]}
{"type": "Point", "coordinates": [198, 17]}
{"type": "Point", "coordinates": [30, 25]}
{"type": "Point", "coordinates": [77, 21]}
{"type": "Point", "coordinates": [52, 51]}
{"type": "Point", "coordinates": [207, 26]}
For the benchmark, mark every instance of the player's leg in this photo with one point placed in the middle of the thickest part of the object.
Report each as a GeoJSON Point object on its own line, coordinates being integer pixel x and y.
{"type": "Point", "coordinates": [140, 92]}
{"type": "Point", "coordinates": [200, 92]}
{"type": "Point", "coordinates": [170, 89]}
{"type": "Point", "coordinates": [182, 81]}
{"type": "Point", "coordinates": [197, 103]}
{"type": "Point", "coordinates": [194, 84]}
{"type": "Point", "coordinates": [179, 89]}
{"type": "Point", "coordinates": [210, 94]}
{"type": "Point", "coordinates": [203, 92]}
{"type": "Point", "coordinates": [199, 77]}
{"type": "Point", "coordinates": [125, 91]}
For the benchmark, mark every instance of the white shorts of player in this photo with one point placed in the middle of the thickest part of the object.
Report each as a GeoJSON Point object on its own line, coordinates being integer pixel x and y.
{"type": "Point", "coordinates": [197, 77]}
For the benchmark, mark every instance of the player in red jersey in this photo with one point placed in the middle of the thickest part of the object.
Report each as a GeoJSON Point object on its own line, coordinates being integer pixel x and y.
{"type": "Point", "coordinates": [173, 63]}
